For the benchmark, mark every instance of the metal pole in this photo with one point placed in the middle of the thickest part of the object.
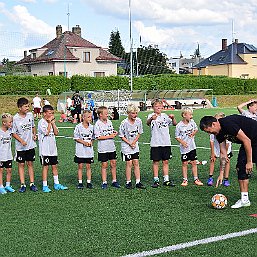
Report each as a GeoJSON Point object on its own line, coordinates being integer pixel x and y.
{"type": "Point", "coordinates": [131, 49]}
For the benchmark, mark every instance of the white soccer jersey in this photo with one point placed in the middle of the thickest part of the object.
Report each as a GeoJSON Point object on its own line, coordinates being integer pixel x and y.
{"type": "Point", "coordinates": [36, 102]}
{"type": "Point", "coordinates": [217, 145]}
{"type": "Point", "coordinates": [104, 129]}
{"type": "Point", "coordinates": [248, 114]}
{"type": "Point", "coordinates": [47, 143]}
{"type": "Point", "coordinates": [160, 135]}
{"type": "Point", "coordinates": [183, 131]}
{"type": "Point", "coordinates": [22, 126]}
{"type": "Point", "coordinates": [87, 135]}
{"type": "Point", "coordinates": [5, 145]}
{"type": "Point", "coordinates": [130, 132]}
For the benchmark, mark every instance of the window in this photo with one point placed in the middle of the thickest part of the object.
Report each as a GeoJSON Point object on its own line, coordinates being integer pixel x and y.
{"type": "Point", "coordinates": [254, 58]}
{"type": "Point", "coordinates": [50, 73]}
{"type": "Point", "coordinates": [62, 74]}
{"type": "Point", "coordinates": [86, 57]}
{"type": "Point", "coordinates": [34, 75]}
{"type": "Point", "coordinates": [99, 74]}
{"type": "Point", "coordinates": [34, 55]}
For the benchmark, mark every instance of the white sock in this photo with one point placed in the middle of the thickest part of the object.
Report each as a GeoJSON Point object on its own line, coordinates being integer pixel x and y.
{"type": "Point", "coordinates": [1, 186]}
{"type": "Point", "coordinates": [195, 178]}
{"type": "Point", "coordinates": [88, 181]}
{"type": "Point", "coordinates": [8, 184]}
{"type": "Point", "coordinates": [114, 180]}
{"type": "Point", "coordinates": [244, 197]}
{"type": "Point", "coordinates": [137, 181]}
{"type": "Point", "coordinates": [105, 182]}
{"type": "Point", "coordinates": [56, 180]}
{"type": "Point", "coordinates": [128, 181]}
{"type": "Point", "coordinates": [166, 178]}
{"type": "Point", "coordinates": [156, 179]}
{"type": "Point", "coordinates": [80, 181]}
{"type": "Point", "coordinates": [185, 179]}
{"type": "Point", "coordinates": [44, 183]}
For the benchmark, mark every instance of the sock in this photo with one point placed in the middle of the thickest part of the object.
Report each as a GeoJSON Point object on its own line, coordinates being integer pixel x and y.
{"type": "Point", "coordinates": [8, 184]}
{"type": "Point", "coordinates": [128, 181]}
{"type": "Point", "coordinates": [1, 186]}
{"type": "Point", "coordinates": [114, 180]}
{"type": "Point", "coordinates": [80, 181]}
{"type": "Point", "coordinates": [88, 180]}
{"type": "Point", "coordinates": [244, 197]}
{"type": "Point", "coordinates": [44, 183]}
{"type": "Point", "coordinates": [23, 185]}
{"type": "Point", "coordinates": [31, 184]}
{"type": "Point", "coordinates": [137, 181]}
{"type": "Point", "coordinates": [166, 178]}
{"type": "Point", "coordinates": [155, 179]}
{"type": "Point", "coordinates": [56, 180]}
{"type": "Point", "coordinates": [185, 179]}
{"type": "Point", "coordinates": [105, 182]}
{"type": "Point", "coordinates": [195, 178]}
{"type": "Point", "coordinates": [225, 178]}
{"type": "Point", "coordinates": [210, 176]}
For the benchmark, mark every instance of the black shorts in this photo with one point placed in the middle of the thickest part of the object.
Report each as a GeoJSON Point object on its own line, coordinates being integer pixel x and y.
{"type": "Point", "coordinates": [83, 160]}
{"type": "Point", "coordinates": [105, 157]}
{"type": "Point", "coordinates": [129, 157]}
{"type": "Point", "coordinates": [48, 160]}
{"type": "Point", "coordinates": [6, 164]}
{"type": "Point", "coordinates": [191, 156]}
{"type": "Point", "coordinates": [160, 153]}
{"type": "Point", "coordinates": [28, 155]}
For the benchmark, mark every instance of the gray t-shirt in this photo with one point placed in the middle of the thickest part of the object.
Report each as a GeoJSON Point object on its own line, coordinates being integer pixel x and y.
{"type": "Point", "coordinates": [47, 143]}
{"type": "Point", "coordinates": [130, 132]}
{"type": "Point", "coordinates": [22, 126]}
{"type": "Point", "coordinates": [104, 129]}
{"type": "Point", "coordinates": [248, 114]}
{"type": "Point", "coordinates": [5, 145]}
{"type": "Point", "coordinates": [87, 135]}
{"type": "Point", "coordinates": [183, 131]}
{"type": "Point", "coordinates": [160, 135]}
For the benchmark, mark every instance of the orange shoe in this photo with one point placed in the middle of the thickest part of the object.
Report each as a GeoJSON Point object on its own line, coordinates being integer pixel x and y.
{"type": "Point", "coordinates": [198, 182]}
{"type": "Point", "coordinates": [184, 183]}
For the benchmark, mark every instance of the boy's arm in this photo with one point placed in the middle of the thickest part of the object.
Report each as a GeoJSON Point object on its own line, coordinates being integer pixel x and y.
{"type": "Point", "coordinates": [172, 117]}
{"type": "Point", "coordinates": [111, 136]}
{"type": "Point", "coordinates": [78, 140]}
{"type": "Point", "coordinates": [193, 133]}
{"type": "Point", "coordinates": [55, 129]}
{"type": "Point", "coordinates": [34, 133]}
{"type": "Point", "coordinates": [242, 105]}
{"type": "Point", "coordinates": [18, 138]}
{"type": "Point", "coordinates": [182, 142]}
{"type": "Point", "coordinates": [148, 122]}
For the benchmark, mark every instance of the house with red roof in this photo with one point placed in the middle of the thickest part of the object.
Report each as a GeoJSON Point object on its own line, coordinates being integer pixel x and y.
{"type": "Point", "coordinates": [69, 54]}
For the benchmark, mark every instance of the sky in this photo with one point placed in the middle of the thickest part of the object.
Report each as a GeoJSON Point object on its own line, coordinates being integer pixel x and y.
{"type": "Point", "coordinates": [176, 27]}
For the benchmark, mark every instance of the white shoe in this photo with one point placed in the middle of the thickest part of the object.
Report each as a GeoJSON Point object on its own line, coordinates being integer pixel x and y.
{"type": "Point", "coordinates": [240, 204]}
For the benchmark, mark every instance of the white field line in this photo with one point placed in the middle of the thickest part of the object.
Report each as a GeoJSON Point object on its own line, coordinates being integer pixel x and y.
{"type": "Point", "coordinates": [192, 243]}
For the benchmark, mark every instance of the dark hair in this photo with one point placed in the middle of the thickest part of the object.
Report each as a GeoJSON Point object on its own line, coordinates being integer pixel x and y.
{"type": "Point", "coordinates": [47, 108]}
{"type": "Point", "coordinates": [22, 101]}
{"type": "Point", "coordinates": [251, 104]}
{"type": "Point", "coordinates": [206, 122]}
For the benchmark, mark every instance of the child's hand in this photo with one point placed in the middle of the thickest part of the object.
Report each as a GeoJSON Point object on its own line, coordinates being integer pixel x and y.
{"type": "Point", "coordinates": [34, 137]}
{"type": "Point", "coordinates": [24, 143]}
{"type": "Point", "coordinates": [88, 144]}
{"type": "Point", "coordinates": [184, 144]}
{"type": "Point", "coordinates": [133, 145]}
{"type": "Point", "coordinates": [115, 133]}
{"type": "Point", "coordinates": [154, 117]}
{"type": "Point", "coordinates": [172, 116]}
{"type": "Point", "coordinates": [212, 158]}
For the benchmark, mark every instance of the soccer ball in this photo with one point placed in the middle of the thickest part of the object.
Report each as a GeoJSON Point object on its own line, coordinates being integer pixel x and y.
{"type": "Point", "coordinates": [219, 201]}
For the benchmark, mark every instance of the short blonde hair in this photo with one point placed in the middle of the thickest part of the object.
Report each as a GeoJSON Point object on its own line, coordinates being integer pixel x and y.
{"type": "Point", "coordinates": [5, 117]}
{"type": "Point", "coordinates": [219, 115]}
{"type": "Point", "coordinates": [132, 108]}
{"type": "Point", "coordinates": [186, 110]}
{"type": "Point", "coordinates": [156, 101]}
{"type": "Point", "coordinates": [101, 109]}
{"type": "Point", "coordinates": [86, 111]}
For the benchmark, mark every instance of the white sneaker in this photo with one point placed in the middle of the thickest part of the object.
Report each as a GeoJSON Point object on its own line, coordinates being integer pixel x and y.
{"type": "Point", "coordinates": [240, 204]}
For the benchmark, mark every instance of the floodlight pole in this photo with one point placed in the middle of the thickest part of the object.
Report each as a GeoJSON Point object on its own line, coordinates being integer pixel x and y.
{"type": "Point", "coordinates": [131, 49]}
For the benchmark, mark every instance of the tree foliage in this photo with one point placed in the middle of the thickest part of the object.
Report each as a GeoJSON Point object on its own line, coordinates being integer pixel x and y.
{"type": "Point", "coordinates": [115, 45]}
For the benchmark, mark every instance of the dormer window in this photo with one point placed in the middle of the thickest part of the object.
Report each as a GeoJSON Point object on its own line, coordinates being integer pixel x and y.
{"type": "Point", "coordinates": [34, 55]}
{"type": "Point", "coordinates": [86, 57]}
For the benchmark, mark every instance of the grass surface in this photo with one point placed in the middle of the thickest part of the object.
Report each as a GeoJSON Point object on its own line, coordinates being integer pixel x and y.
{"type": "Point", "coordinates": [116, 222]}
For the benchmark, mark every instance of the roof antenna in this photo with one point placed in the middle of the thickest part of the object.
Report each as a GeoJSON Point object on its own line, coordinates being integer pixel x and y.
{"type": "Point", "coordinates": [68, 14]}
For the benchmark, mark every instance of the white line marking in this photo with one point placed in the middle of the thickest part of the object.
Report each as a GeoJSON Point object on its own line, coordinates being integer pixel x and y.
{"type": "Point", "coordinates": [193, 243]}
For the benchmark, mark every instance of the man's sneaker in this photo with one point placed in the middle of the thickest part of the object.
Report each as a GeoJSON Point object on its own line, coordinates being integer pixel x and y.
{"type": "Point", "coordinates": [155, 184]}
{"type": "Point", "coordinates": [198, 182]}
{"type": "Point", "coordinates": [80, 186]}
{"type": "Point", "coordinates": [240, 204]}
{"type": "Point", "coordinates": [210, 181]}
{"type": "Point", "coordinates": [168, 183]}
{"type": "Point", "coordinates": [116, 184]}
{"type": "Point", "coordinates": [104, 186]}
{"type": "Point", "coordinates": [140, 185]}
{"type": "Point", "coordinates": [33, 188]}
{"type": "Point", "coordinates": [9, 189]}
{"type": "Point", "coordinates": [184, 183]}
{"type": "Point", "coordinates": [60, 187]}
{"type": "Point", "coordinates": [128, 185]}
{"type": "Point", "coordinates": [2, 191]}
{"type": "Point", "coordinates": [46, 189]}
{"type": "Point", "coordinates": [226, 183]}
{"type": "Point", "coordinates": [22, 189]}
{"type": "Point", "coordinates": [89, 185]}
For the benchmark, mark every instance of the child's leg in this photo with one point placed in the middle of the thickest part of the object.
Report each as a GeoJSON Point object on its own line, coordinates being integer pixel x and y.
{"type": "Point", "coordinates": [165, 169]}
{"type": "Point", "coordinates": [30, 171]}
{"type": "Point", "coordinates": [1, 177]}
{"type": "Point", "coordinates": [44, 174]}
{"type": "Point", "coordinates": [212, 166]}
{"type": "Point", "coordinates": [104, 167]}
{"type": "Point", "coordinates": [80, 172]}
{"type": "Point", "coordinates": [21, 167]}
{"type": "Point", "coordinates": [194, 169]}
{"type": "Point", "coordinates": [227, 169]}
{"type": "Point", "coordinates": [8, 175]}
{"type": "Point", "coordinates": [89, 172]}
{"type": "Point", "coordinates": [113, 170]}
{"type": "Point", "coordinates": [128, 170]}
{"type": "Point", "coordinates": [155, 169]}
{"type": "Point", "coordinates": [184, 170]}
{"type": "Point", "coordinates": [55, 174]}
{"type": "Point", "coordinates": [136, 170]}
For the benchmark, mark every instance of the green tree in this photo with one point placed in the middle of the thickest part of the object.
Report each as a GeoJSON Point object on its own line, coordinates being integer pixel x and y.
{"type": "Point", "coordinates": [9, 67]}
{"type": "Point", "coordinates": [115, 45]}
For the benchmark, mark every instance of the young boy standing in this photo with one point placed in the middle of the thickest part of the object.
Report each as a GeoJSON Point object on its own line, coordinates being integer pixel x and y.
{"type": "Point", "coordinates": [47, 131]}
{"type": "Point", "coordinates": [24, 132]}
{"type": "Point", "coordinates": [184, 134]}
{"type": "Point", "coordinates": [160, 141]}
{"type": "Point", "coordinates": [6, 153]}
{"type": "Point", "coordinates": [83, 135]}
{"type": "Point", "coordinates": [130, 130]}
{"type": "Point", "coordinates": [105, 134]}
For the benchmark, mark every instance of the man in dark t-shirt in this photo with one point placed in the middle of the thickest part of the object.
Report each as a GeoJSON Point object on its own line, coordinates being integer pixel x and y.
{"type": "Point", "coordinates": [76, 104]}
{"type": "Point", "coordinates": [241, 130]}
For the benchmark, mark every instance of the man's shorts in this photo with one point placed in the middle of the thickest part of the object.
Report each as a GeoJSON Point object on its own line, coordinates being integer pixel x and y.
{"type": "Point", "coordinates": [105, 157]}
{"type": "Point", "coordinates": [190, 156]}
{"type": "Point", "coordinates": [48, 160]}
{"type": "Point", "coordinates": [160, 153]}
{"type": "Point", "coordinates": [23, 156]}
{"type": "Point", "coordinates": [83, 160]}
{"type": "Point", "coordinates": [37, 110]}
{"type": "Point", "coordinates": [129, 157]}
{"type": "Point", "coordinates": [6, 164]}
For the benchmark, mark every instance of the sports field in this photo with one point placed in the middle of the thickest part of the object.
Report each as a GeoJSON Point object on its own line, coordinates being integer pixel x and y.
{"type": "Point", "coordinates": [119, 222]}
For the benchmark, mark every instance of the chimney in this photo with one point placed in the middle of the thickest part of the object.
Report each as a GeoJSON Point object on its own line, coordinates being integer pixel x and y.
{"type": "Point", "coordinates": [25, 54]}
{"type": "Point", "coordinates": [236, 41]}
{"type": "Point", "coordinates": [58, 31]}
{"type": "Point", "coordinates": [224, 44]}
{"type": "Point", "coordinates": [77, 30]}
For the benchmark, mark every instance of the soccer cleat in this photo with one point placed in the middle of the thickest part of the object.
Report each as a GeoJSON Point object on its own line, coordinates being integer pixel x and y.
{"type": "Point", "coordinates": [46, 189]}
{"type": "Point", "coordinates": [210, 181]}
{"type": "Point", "coordinates": [89, 185]}
{"type": "Point", "coordinates": [155, 184]}
{"type": "Point", "coordinates": [9, 189]}
{"type": "Point", "coordinates": [226, 183]}
{"type": "Point", "coordinates": [116, 184]}
{"type": "Point", "coordinates": [80, 186]}
{"type": "Point", "coordinates": [198, 182]}
{"type": "Point", "coordinates": [128, 185]}
{"type": "Point", "coordinates": [168, 183]}
{"type": "Point", "coordinates": [33, 188]}
{"type": "Point", "coordinates": [22, 189]}
{"type": "Point", "coordinates": [104, 186]}
{"type": "Point", "coordinates": [2, 191]}
{"type": "Point", "coordinates": [184, 183]}
{"type": "Point", "coordinates": [60, 187]}
{"type": "Point", "coordinates": [140, 185]}
{"type": "Point", "coordinates": [240, 204]}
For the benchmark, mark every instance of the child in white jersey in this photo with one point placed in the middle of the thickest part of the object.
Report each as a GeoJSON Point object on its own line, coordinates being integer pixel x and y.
{"type": "Point", "coordinates": [47, 131]}
{"type": "Point", "coordinates": [160, 141]}
{"type": "Point", "coordinates": [105, 134]}
{"type": "Point", "coordinates": [130, 130]}
{"type": "Point", "coordinates": [24, 132]}
{"type": "Point", "coordinates": [184, 134]}
{"type": "Point", "coordinates": [6, 153]}
{"type": "Point", "coordinates": [215, 153]}
{"type": "Point", "coordinates": [84, 136]}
